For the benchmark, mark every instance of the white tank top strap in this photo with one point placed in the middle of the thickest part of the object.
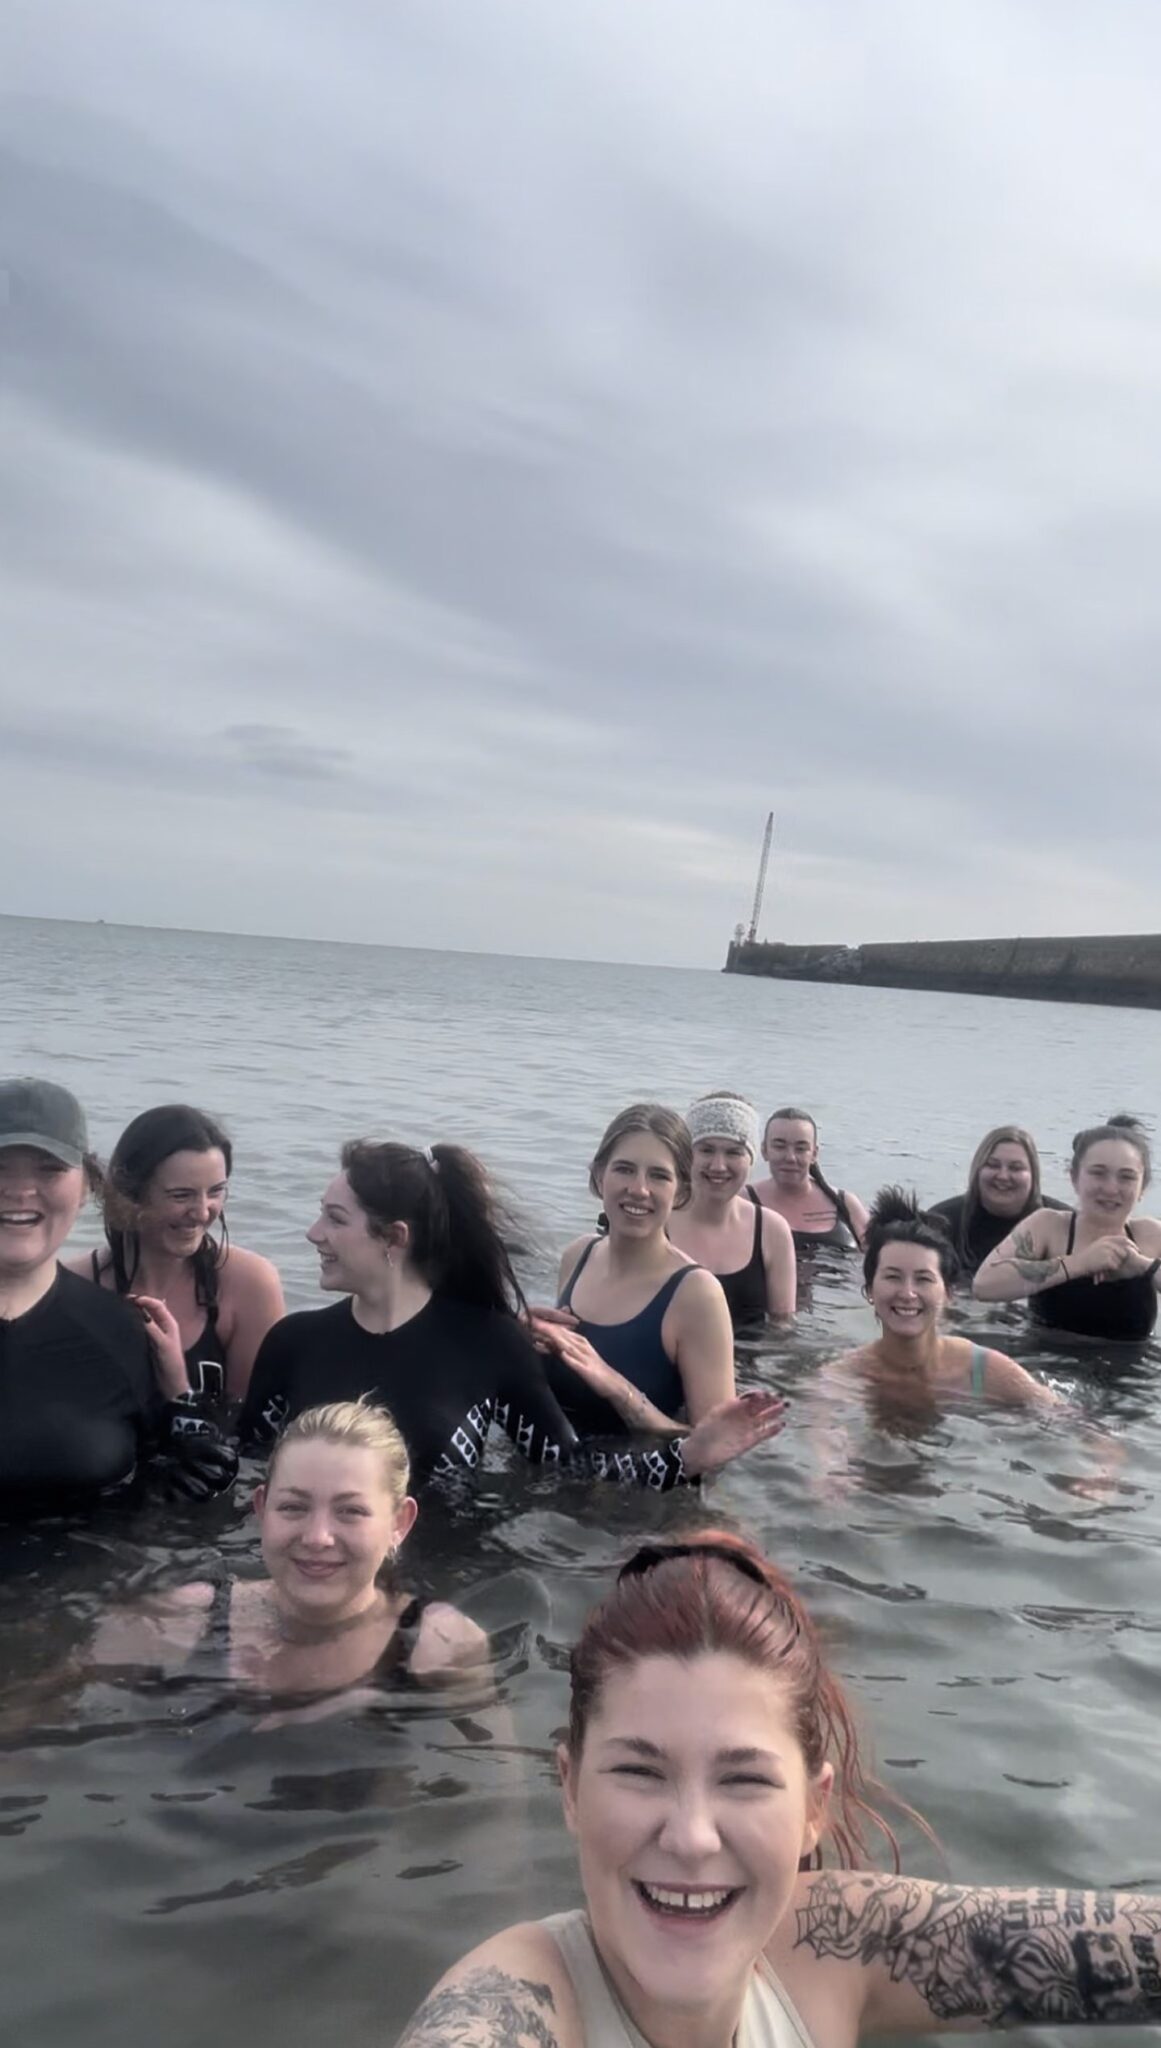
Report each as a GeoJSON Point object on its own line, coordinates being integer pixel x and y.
{"type": "Point", "coordinates": [604, 2021]}
{"type": "Point", "coordinates": [768, 2020]}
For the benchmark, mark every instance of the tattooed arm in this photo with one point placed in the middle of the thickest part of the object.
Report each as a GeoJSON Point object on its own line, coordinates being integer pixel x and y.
{"type": "Point", "coordinates": [924, 1955]}
{"type": "Point", "coordinates": [1026, 1262]}
{"type": "Point", "coordinates": [512, 1992]}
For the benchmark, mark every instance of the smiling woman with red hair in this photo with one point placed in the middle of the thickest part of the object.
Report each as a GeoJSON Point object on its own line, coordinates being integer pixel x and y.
{"type": "Point", "coordinates": [711, 1769]}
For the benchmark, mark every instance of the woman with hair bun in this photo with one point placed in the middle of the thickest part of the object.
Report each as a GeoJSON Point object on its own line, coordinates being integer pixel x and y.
{"type": "Point", "coordinates": [748, 1248]}
{"type": "Point", "coordinates": [1003, 1188]}
{"type": "Point", "coordinates": [417, 1242]}
{"type": "Point", "coordinates": [909, 1270]}
{"type": "Point", "coordinates": [713, 1783]}
{"type": "Point", "coordinates": [206, 1301]}
{"type": "Point", "coordinates": [1088, 1271]}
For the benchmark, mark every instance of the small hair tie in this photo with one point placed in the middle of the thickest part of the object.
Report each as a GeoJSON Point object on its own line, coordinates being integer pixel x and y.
{"type": "Point", "coordinates": [431, 1159]}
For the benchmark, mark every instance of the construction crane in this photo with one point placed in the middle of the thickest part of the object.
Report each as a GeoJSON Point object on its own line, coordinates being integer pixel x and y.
{"type": "Point", "coordinates": [760, 890]}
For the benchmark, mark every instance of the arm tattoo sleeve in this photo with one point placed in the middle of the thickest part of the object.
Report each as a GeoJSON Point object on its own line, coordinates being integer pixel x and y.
{"type": "Point", "coordinates": [485, 2009]}
{"type": "Point", "coordinates": [1002, 1958]}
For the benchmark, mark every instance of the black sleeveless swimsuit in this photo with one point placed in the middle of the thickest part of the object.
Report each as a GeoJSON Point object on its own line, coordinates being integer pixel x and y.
{"type": "Point", "coordinates": [745, 1288]}
{"type": "Point", "coordinates": [392, 1668]}
{"type": "Point", "coordinates": [205, 1358]}
{"type": "Point", "coordinates": [633, 1348]}
{"type": "Point", "coordinates": [1122, 1311]}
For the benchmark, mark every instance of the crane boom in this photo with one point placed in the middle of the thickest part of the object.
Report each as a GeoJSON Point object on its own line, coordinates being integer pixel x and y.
{"type": "Point", "coordinates": [760, 890]}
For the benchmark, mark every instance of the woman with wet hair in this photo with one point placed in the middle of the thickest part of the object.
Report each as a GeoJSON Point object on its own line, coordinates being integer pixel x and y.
{"type": "Point", "coordinates": [648, 1337]}
{"type": "Point", "coordinates": [86, 1406]}
{"type": "Point", "coordinates": [799, 1191]}
{"type": "Point", "coordinates": [1003, 1188]}
{"type": "Point", "coordinates": [431, 1324]}
{"type": "Point", "coordinates": [1088, 1271]}
{"type": "Point", "coordinates": [206, 1301]}
{"type": "Point", "coordinates": [331, 1619]}
{"type": "Point", "coordinates": [713, 1782]}
{"type": "Point", "coordinates": [909, 1271]}
{"type": "Point", "coordinates": [747, 1247]}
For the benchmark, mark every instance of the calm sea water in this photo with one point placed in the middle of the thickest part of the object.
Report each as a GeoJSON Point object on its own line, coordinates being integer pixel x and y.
{"type": "Point", "coordinates": [160, 1855]}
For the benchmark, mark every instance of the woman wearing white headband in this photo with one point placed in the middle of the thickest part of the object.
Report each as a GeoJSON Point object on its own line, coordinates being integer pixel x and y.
{"type": "Point", "coordinates": [724, 1227]}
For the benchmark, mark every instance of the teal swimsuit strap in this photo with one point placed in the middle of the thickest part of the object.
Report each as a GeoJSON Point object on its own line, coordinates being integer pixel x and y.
{"type": "Point", "coordinates": [979, 1368]}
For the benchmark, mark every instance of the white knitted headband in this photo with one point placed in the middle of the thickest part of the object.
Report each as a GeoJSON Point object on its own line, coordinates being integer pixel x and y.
{"type": "Point", "coordinates": [724, 1116]}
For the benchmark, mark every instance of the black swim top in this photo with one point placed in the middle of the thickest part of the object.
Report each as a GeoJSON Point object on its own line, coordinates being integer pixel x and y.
{"type": "Point", "coordinates": [1122, 1311]}
{"type": "Point", "coordinates": [80, 1409]}
{"type": "Point", "coordinates": [840, 1233]}
{"type": "Point", "coordinates": [205, 1358]}
{"type": "Point", "coordinates": [745, 1288]}
{"type": "Point", "coordinates": [633, 1348]}
{"type": "Point", "coordinates": [391, 1668]}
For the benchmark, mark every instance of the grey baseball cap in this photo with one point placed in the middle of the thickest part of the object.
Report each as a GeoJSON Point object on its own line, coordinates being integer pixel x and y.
{"type": "Point", "coordinates": [44, 1116]}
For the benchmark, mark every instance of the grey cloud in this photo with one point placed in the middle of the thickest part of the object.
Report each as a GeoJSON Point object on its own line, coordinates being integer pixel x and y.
{"type": "Point", "coordinates": [681, 437]}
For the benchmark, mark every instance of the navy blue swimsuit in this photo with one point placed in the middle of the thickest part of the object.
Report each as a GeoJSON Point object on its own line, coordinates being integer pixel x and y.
{"type": "Point", "coordinates": [633, 1348]}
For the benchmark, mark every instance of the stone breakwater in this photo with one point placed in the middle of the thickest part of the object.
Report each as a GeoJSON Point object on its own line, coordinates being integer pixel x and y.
{"type": "Point", "coordinates": [1119, 970]}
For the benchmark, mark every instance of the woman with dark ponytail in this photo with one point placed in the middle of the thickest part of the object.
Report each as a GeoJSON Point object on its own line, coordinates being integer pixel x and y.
{"type": "Point", "coordinates": [909, 1270]}
{"type": "Point", "coordinates": [419, 1243]}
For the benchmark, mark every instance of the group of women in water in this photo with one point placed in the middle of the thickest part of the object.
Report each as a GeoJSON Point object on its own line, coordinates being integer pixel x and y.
{"type": "Point", "coordinates": [711, 1756]}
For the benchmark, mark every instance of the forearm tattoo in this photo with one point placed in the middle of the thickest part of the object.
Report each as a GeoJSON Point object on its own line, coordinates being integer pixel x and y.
{"type": "Point", "coordinates": [1037, 1272]}
{"type": "Point", "coordinates": [485, 2009]}
{"type": "Point", "coordinates": [1003, 1958]}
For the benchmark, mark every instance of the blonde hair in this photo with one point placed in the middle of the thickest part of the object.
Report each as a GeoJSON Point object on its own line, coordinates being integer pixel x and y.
{"type": "Point", "coordinates": [358, 1425]}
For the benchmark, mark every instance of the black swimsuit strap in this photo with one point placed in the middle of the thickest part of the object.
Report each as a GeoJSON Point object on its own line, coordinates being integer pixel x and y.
{"type": "Point", "coordinates": [578, 1269]}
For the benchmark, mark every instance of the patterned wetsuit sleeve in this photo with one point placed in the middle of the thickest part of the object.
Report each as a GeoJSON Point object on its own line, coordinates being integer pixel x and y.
{"type": "Point", "coordinates": [266, 1406]}
{"type": "Point", "coordinates": [526, 1408]}
{"type": "Point", "coordinates": [528, 1411]}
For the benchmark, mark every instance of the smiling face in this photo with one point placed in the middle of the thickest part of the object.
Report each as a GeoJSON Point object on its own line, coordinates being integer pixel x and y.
{"type": "Point", "coordinates": [790, 1148]}
{"type": "Point", "coordinates": [691, 1807]}
{"type": "Point", "coordinates": [1005, 1180]}
{"type": "Point", "coordinates": [352, 1259]}
{"type": "Point", "coordinates": [1109, 1180]}
{"type": "Point", "coordinates": [639, 1186]}
{"type": "Point", "coordinates": [184, 1199]}
{"type": "Point", "coordinates": [908, 1292]}
{"type": "Point", "coordinates": [328, 1522]}
{"type": "Point", "coordinates": [721, 1167]}
{"type": "Point", "coordinates": [39, 1201]}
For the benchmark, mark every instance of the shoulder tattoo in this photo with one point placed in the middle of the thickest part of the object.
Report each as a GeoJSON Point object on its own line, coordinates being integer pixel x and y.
{"type": "Point", "coordinates": [1039, 1958]}
{"type": "Point", "coordinates": [485, 2009]}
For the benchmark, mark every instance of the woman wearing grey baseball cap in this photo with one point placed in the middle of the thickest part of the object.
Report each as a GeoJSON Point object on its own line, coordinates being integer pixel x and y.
{"type": "Point", "coordinates": [82, 1405]}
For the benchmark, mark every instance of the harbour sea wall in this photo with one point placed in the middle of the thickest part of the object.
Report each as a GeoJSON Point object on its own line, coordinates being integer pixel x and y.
{"type": "Point", "coordinates": [1120, 970]}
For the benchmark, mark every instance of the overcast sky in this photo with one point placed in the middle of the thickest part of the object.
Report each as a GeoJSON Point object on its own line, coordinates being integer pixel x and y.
{"type": "Point", "coordinates": [464, 462]}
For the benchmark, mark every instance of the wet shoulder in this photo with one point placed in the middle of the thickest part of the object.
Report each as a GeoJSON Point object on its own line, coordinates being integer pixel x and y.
{"type": "Point", "coordinates": [515, 1987]}
{"type": "Point", "coordinates": [241, 1271]}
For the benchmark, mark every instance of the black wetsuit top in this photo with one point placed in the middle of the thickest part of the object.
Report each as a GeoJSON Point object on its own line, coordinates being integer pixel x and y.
{"type": "Point", "coordinates": [445, 1375]}
{"type": "Point", "coordinates": [1122, 1311]}
{"type": "Point", "coordinates": [633, 1348]}
{"type": "Point", "coordinates": [205, 1358]}
{"type": "Point", "coordinates": [986, 1231]}
{"type": "Point", "coordinates": [745, 1288]}
{"type": "Point", "coordinates": [80, 1409]}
